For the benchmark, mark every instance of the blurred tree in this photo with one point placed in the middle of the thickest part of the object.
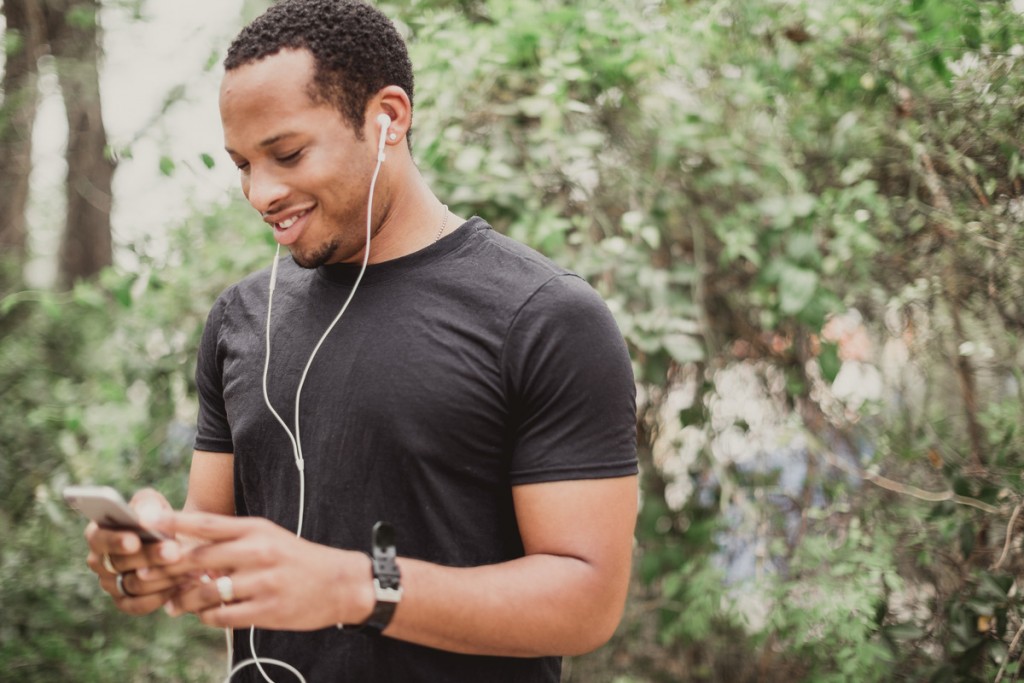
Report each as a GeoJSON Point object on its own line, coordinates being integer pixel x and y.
{"type": "Point", "coordinates": [806, 218]}
{"type": "Point", "coordinates": [22, 41]}
{"type": "Point", "coordinates": [69, 31]}
{"type": "Point", "coordinates": [73, 32]}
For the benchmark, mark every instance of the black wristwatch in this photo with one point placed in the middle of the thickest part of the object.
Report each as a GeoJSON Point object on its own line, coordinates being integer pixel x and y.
{"type": "Point", "coordinates": [387, 579]}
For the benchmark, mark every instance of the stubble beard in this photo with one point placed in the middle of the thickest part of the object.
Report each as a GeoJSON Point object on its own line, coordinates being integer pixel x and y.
{"type": "Point", "coordinates": [329, 251]}
{"type": "Point", "coordinates": [319, 257]}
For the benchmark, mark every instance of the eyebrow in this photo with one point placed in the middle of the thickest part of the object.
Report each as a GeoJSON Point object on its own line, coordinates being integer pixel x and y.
{"type": "Point", "coordinates": [269, 141]}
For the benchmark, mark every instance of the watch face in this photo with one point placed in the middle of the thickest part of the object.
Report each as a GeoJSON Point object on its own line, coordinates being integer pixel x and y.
{"type": "Point", "coordinates": [384, 538]}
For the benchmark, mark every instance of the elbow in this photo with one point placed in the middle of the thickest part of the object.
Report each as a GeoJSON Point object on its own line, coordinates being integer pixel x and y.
{"type": "Point", "coordinates": [593, 637]}
{"type": "Point", "coordinates": [598, 624]}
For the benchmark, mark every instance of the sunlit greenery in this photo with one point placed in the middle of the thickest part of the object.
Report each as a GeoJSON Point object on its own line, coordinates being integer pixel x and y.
{"type": "Point", "coordinates": [806, 217]}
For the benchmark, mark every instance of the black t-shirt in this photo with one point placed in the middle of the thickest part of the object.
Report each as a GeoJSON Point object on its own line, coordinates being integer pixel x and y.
{"type": "Point", "coordinates": [457, 372]}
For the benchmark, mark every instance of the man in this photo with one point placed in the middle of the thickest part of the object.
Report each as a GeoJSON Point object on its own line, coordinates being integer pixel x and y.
{"type": "Point", "coordinates": [463, 388]}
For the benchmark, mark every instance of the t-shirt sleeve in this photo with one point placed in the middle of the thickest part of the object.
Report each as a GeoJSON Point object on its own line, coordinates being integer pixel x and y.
{"type": "Point", "coordinates": [573, 396]}
{"type": "Point", "coordinates": [213, 432]}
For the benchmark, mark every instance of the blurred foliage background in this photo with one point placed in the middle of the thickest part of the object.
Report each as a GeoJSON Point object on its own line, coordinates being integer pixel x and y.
{"type": "Point", "coordinates": [806, 217]}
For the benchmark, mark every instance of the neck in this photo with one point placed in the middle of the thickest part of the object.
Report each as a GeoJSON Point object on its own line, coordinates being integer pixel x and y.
{"type": "Point", "coordinates": [410, 214]}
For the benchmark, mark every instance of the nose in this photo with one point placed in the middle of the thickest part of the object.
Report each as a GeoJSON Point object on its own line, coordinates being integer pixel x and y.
{"type": "Point", "coordinates": [265, 190]}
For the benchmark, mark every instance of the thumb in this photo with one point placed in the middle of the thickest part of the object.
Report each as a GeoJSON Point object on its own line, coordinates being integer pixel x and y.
{"type": "Point", "coordinates": [152, 508]}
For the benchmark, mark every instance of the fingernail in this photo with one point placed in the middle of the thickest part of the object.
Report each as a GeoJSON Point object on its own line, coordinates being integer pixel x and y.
{"type": "Point", "coordinates": [142, 572]}
{"type": "Point", "coordinates": [130, 544]}
{"type": "Point", "coordinates": [149, 513]}
{"type": "Point", "coordinates": [170, 552]}
{"type": "Point", "coordinates": [171, 610]}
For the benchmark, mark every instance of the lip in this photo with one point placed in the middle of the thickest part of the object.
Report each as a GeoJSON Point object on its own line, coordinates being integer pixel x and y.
{"type": "Point", "coordinates": [288, 236]}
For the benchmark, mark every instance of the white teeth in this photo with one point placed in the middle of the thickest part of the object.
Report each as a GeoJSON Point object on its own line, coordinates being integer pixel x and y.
{"type": "Point", "coordinates": [284, 225]}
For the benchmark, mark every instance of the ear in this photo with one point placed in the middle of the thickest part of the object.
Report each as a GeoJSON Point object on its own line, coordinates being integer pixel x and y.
{"type": "Point", "coordinates": [393, 101]}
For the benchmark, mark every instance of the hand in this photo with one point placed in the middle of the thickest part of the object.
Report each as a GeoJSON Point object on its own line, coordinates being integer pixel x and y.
{"type": "Point", "coordinates": [131, 559]}
{"type": "Point", "coordinates": [278, 580]}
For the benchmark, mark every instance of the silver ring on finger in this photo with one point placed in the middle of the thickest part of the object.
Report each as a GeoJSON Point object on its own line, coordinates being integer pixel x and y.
{"type": "Point", "coordinates": [108, 565]}
{"type": "Point", "coordinates": [226, 589]}
{"type": "Point", "coordinates": [121, 589]}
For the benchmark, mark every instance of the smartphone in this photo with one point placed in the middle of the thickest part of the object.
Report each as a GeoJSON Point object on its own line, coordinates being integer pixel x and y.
{"type": "Point", "coordinates": [105, 506]}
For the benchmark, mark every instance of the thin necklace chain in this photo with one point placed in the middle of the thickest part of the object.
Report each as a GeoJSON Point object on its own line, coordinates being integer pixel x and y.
{"type": "Point", "coordinates": [444, 222]}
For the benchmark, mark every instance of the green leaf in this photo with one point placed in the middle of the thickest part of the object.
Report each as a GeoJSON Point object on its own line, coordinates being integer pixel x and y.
{"type": "Point", "coordinates": [938, 63]}
{"type": "Point", "coordinates": [87, 294]}
{"type": "Point", "coordinates": [972, 35]}
{"type": "Point", "coordinates": [829, 361]}
{"type": "Point", "coordinates": [48, 302]}
{"type": "Point", "coordinates": [907, 630]}
{"type": "Point", "coordinates": [167, 166]}
{"type": "Point", "coordinates": [683, 348]}
{"type": "Point", "coordinates": [211, 60]}
{"type": "Point", "coordinates": [797, 287]}
{"type": "Point", "coordinates": [8, 303]}
{"type": "Point", "coordinates": [207, 160]}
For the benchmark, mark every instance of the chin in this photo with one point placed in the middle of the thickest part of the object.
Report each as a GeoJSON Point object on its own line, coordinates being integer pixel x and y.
{"type": "Point", "coordinates": [316, 258]}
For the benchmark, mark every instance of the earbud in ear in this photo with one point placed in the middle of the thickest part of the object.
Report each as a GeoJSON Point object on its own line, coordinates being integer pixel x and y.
{"type": "Point", "coordinates": [385, 122]}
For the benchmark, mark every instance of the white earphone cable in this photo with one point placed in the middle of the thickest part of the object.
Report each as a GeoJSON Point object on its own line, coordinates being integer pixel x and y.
{"type": "Point", "coordinates": [295, 438]}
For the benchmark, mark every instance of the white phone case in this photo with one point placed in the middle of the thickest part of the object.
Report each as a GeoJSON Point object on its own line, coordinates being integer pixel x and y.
{"type": "Point", "coordinates": [105, 506]}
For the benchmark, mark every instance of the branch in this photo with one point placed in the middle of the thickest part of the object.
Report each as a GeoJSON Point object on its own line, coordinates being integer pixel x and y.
{"type": "Point", "coordinates": [1013, 644]}
{"type": "Point", "coordinates": [1009, 537]}
{"type": "Point", "coordinates": [907, 489]}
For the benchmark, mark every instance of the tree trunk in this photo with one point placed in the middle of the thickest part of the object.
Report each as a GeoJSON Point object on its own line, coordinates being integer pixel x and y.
{"type": "Point", "coordinates": [17, 118]}
{"type": "Point", "coordinates": [74, 37]}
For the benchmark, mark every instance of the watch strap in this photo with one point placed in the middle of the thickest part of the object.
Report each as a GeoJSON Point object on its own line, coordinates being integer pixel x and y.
{"type": "Point", "coordinates": [387, 579]}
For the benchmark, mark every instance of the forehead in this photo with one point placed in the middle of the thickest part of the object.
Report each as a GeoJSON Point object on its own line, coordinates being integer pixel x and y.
{"type": "Point", "coordinates": [260, 99]}
{"type": "Point", "coordinates": [288, 72]}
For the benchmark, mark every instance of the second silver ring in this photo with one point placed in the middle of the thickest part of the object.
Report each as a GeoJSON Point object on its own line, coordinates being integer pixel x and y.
{"type": "Point", "coordinates": [225, 588]}
{"type": "Point", "coordinates": [121, 589]}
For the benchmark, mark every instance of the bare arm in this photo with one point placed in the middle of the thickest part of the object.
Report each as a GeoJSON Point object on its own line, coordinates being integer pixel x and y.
{"type": "Point", "coordinates": [211, 483]}
{"type": "Point", "coordinates": [564, 597]}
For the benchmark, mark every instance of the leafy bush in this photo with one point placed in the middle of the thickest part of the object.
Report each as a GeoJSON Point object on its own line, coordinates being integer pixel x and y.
{"type": "Point", "coordinates": [98, 388]}
{"type": "Point", "coordinates": [805, 217]}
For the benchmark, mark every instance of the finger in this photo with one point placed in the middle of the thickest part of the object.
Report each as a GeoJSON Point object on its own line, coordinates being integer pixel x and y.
{"type": "Point", "coordinates": [228, 557]}
{"type": "Point", "coordinates": [143, 604]}
{"type": "Point", "coordinates": [211, 527]}
{"type": "Point", "coordinates": [153, 509]}
{"type": "Point", "coordinates": [111, 541]}
{"type": "Point", "coordinates": [150, 499]}
{"type": "Point", "coordinates": [177, 572]}
{"type": "Point", "coordinates": [234, 615]}
{"type": "Point", "coordinates": [136, 587]}
{"type": "Point", "coordinates": [205, 594]}
{"type": "Point", "coordinates": [101, 563]}
{"type": "Point", "coordinates": [149, 555]}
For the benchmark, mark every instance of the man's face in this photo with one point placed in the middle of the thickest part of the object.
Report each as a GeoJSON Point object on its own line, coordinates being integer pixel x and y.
{"type": "Point", "coordinates": [300, 162]}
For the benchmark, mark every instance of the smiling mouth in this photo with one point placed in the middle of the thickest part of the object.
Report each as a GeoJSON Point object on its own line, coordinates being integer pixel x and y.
{"type": "Point", "coordinates": [285, 224]}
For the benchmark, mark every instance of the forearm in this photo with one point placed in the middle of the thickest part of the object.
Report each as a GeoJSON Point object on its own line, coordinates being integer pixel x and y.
{"type": "Point", "coordinates": [533, 606]}
{"type": "Point", "coordinates": [564, 597]}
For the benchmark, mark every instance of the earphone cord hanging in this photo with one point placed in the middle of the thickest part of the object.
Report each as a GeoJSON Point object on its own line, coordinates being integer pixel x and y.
{"type": "Point", "coordinates": [296, 440]}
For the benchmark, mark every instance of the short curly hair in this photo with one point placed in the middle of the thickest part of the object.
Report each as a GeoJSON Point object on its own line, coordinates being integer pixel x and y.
{"type": "Point", "coordinates": [356, 50]}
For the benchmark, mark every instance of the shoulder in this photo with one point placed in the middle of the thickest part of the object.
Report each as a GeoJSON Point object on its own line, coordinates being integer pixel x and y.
{"type": "Point", "coordinates": [516, 273]}
{"type": "Point", "coordinates": [537, 294]}
{"type": "Point", "coordinates": [498, 250]}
